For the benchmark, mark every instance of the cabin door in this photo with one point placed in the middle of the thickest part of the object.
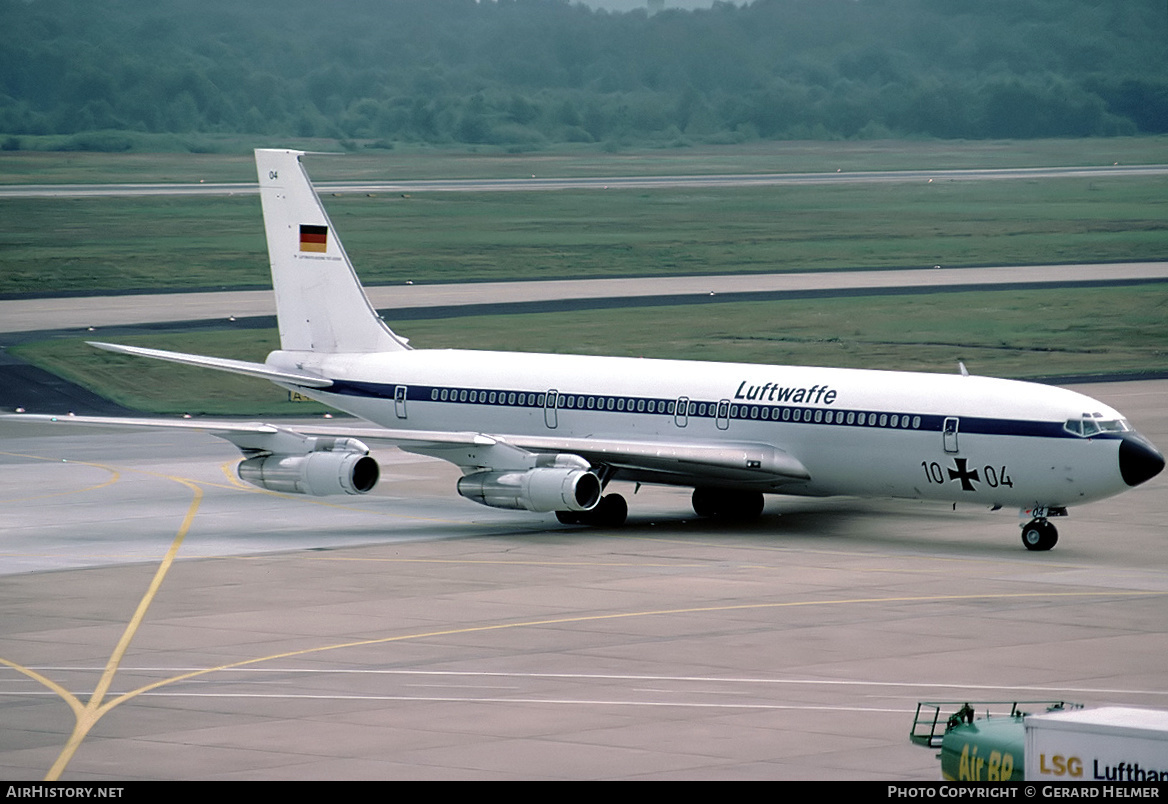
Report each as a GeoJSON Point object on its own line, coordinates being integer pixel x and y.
{"type": "Point", "coordinates": [949, 434]}
{"type": "Point", "coordinates": [723, 418]}
{"type": "Point", "coordinates": [550, 402]}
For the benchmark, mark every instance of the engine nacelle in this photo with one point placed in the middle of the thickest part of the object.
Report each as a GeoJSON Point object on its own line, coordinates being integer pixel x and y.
{"type": "Point", "coordinates": [539, 489]}
{"type": "Point", "coordinates": [315, 473]}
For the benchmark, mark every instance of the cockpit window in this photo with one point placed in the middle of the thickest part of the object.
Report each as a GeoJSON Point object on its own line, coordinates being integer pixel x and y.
{"type": "Point", "coordinates": [1089, 425]}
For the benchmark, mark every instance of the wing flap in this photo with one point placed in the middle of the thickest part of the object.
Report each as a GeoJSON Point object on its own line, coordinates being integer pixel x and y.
{"type": "Point", "coordinates": [683, 458]}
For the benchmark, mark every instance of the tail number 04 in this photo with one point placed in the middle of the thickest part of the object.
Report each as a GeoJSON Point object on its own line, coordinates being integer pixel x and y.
{"type": "Point", "coordinates": [993, 476]}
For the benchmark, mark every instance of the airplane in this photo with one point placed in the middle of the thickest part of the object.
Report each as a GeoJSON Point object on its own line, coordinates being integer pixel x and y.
{"type": "Point", "coordinates": [549, 432]}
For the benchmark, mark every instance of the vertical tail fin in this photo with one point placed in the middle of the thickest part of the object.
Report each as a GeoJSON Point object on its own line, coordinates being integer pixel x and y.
{"type": "Point", "coordinates": [319, 301]}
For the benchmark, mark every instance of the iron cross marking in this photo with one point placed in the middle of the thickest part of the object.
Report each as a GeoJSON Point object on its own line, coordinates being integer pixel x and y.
{"type": "Point", "coordinates": [966, 477]}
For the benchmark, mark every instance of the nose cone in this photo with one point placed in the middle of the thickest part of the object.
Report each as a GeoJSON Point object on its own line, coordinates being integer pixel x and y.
{"type": "Point", "coordinates": [1138, 460]}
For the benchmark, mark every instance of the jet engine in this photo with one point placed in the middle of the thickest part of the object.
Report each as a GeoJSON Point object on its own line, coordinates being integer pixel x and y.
{"type": "Point", "coordinates": [335, 466]}
{"type": "Point", "coordinates": [550, 488]}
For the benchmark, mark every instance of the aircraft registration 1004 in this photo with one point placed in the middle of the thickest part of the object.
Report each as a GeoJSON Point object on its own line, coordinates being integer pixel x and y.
{"type": "Point", "coordinates": [549, 432]}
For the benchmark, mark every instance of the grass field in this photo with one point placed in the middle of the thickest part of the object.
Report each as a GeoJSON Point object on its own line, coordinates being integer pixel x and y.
{"type": "Point", "coordinates": [86, 245]}
{"type": "Point", "coordinates": [1002, 333]}
{"type": "Point", "coordinates": [233, 160]}
{"type": "Point", "coordinates": [112, 244]}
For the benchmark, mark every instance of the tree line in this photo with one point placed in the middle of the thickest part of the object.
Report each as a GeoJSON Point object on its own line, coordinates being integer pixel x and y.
{"type": "Point", "coordinates": [528, 73]}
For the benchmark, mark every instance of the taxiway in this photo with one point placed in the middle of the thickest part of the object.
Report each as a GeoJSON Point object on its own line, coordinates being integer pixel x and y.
{"type": "Point", "coordinates": [536, 184]}
{"type": "Point", "coordinates": [198, 629]}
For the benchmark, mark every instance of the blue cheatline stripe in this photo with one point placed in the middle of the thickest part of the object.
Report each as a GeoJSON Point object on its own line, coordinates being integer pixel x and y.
{"type": "Point", "coordinates": [780, 414]}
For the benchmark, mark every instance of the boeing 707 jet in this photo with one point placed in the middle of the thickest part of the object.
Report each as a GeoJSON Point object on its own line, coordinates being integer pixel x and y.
{"type": "Point", "coordinates": [549, 432]}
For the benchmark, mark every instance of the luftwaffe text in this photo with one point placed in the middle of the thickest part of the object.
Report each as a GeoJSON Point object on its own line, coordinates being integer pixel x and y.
{"type": "Point", "coordinates": [772, 392]}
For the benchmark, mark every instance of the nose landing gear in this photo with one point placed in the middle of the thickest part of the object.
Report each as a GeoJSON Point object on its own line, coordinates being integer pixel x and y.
{"type": "Point", "coordinates": [1039, 533]}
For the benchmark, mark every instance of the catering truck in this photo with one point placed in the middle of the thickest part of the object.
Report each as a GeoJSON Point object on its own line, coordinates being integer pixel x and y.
{"type": "Point", "coordinates": [1108, 744]}
{"type": "Point", "coordinates": [980, 742]}
{"type": "Point", "coordinates": [1053, 741]}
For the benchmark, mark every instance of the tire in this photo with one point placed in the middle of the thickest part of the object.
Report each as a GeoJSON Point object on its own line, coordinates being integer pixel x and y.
{"type": "Point", "coordinates": [1039, 535]}
{"type": "Point", "coordinates": [610, 512]}
{"type": "Point", "coordinates": [705, 502]}
{"type": "Point", "coordinates": [748, 506]}
{"type": "Point", "coordinates": [728, 505]}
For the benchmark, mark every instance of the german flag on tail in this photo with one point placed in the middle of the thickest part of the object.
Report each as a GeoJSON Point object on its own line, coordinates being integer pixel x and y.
{"type": "Point", "coordinates": [313, 238]}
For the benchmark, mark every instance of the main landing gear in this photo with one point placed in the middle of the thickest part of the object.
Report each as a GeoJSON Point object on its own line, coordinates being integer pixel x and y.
{"type": "Point", "coordinates": [610, 512]}
{"type": "Point", "coordinates": [1039, 533]}
{"type": "Point", "coordinates": [728, 505]}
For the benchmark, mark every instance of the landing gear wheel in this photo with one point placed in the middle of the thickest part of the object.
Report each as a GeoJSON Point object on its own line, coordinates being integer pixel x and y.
{"type": "Point", "coordinates": [728, 505]}
{"type": "Point", "coordinates": [610, 512]}
{"type": "Point", "coordinates": [1039, 534]}
{"type": "Point", "coordinates": [705, 502]}
{"type": "Point", "coordinates": [748, 506]}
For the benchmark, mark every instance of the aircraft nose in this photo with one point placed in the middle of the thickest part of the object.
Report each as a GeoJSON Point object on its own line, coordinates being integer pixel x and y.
{"type": "Point", "coordinates": [1138, 460]}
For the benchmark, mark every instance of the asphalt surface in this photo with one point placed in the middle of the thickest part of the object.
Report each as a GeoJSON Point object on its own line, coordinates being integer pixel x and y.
{"type": "Point", "coordinates": [162, 621]}
{"type": "Point", "coordinates": [411, 634]}
{"type": "Point", "coordinates": [108, 317]}
{"type": "Point", "coordinates": [54, 314]}
{"type": "Point", "coordinates": [535, 184]}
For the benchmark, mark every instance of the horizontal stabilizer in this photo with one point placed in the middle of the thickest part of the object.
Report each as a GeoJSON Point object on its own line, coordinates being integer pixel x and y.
{"type": "Point", "coordinates": [260, 370]}
{"type": "Point", "coordinates": [213, 426]}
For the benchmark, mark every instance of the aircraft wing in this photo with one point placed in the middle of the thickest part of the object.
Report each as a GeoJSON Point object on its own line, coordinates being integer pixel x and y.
{"type": "Point", "coordinates": [649, 461]}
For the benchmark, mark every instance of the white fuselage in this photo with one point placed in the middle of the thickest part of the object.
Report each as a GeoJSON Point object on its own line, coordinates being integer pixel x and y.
{"type": "Point", "coordinates": [857, 432]}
